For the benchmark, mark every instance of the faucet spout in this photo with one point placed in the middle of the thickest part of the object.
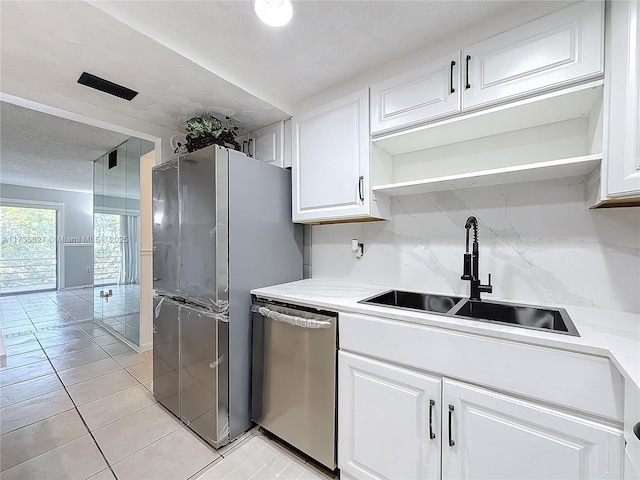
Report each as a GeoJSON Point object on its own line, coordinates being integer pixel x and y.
{"type": "Point", "coordinates": [471, 262]}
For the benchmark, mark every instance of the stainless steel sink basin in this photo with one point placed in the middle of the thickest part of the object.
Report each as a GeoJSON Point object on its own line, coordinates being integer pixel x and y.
{"type": "Point", "coordinates": [539, 318]}
{"type": "Point", "coordinates": [527, 316]}
{"type": "Point", "coordinates": [424, 302]}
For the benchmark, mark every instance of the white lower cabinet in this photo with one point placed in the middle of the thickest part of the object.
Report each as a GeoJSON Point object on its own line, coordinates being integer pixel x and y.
{"type": "Point", "coordinates": [388, 421]}
{"type": "Point", "coordinates": [490, 435]}
{"type": "Point", "coordinates": [396, 423]}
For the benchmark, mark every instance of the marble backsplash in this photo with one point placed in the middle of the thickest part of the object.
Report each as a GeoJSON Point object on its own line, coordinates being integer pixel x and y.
{"type": "Point", "coordinates": [538, 240]}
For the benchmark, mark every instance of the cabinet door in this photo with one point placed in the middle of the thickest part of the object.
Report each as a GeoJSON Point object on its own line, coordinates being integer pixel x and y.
{"type": "Point", "coordinates": [388, 421]}
{"type": "Point", "coordinates": [428, 92]}
{"type": "Point", "coordinates": [266, 144]}
{"type": "Point", "coordinates": [489, 435]}
{"type": "Point", "coordinates": [622, 153]}
{"type": "Point", "coordinates": [330, 162]}
{"type": "Point", "coordinates": [561, 48]}
{"type": "Point", "coordinates": [243, 140]}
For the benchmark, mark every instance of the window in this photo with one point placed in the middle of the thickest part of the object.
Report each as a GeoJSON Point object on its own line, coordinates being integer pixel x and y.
{"type": "Point", "coordinates": [28, 249]}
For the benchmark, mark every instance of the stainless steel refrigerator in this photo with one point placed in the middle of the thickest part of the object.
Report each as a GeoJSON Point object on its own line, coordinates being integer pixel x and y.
{"type": "Point", "coordinates": [221, 226]}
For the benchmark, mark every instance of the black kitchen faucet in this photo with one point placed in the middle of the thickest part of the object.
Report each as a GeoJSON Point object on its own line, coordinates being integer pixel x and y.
{"type": "Point", "coordinates": [470, 268]}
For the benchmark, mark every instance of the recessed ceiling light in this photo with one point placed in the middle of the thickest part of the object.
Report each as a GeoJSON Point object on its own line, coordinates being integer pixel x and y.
{"type": "Point", "coordinates": [275, 13]}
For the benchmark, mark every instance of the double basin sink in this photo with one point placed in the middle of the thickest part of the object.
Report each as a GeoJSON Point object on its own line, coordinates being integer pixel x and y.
{"type": "Point", "coordinates": [547, 319]}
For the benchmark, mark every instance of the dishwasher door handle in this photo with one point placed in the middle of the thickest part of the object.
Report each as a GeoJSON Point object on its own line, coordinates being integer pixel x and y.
{"type": "Point", "coordinates": [291, 319]}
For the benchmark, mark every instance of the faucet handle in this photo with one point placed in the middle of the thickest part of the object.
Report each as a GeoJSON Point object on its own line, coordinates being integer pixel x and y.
{"type": "Point", "coordinates": [488, 288]}
{"type": "Point", "coordinates": [466, 269]}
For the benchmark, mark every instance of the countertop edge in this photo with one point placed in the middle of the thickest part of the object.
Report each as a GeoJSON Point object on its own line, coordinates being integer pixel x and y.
{"type": "Point", "coordinates": [514, 334]}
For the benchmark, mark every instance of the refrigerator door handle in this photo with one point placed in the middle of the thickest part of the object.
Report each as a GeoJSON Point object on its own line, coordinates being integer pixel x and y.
{"type": "Point", "coordinates": [290, 319]}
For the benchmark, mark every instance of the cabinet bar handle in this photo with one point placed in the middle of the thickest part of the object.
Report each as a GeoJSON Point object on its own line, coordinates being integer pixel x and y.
{"type": "Point", "coordinates": [451, 89]}
{"type": "Point", "coordinates": [451, 440]}
{"type": "Point", "coordinates": [249, 148]}
{"type": "Point", "coordinates": [361, 188]}
{"type": "Point", "coordinates": [431, 405]}
{"type": "Point", "coordinates": [244, 147]}
{"type": "Point", "coordinates": [468, 85]}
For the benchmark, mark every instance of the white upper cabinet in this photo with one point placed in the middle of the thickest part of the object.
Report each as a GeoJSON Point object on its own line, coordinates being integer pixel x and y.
{"type": "Point", "coordinates": [622, 148]}
{"type": "Point", "coordinates": [558, 49]}
{"type": "Point", "coordinates": [331, 162]}
{"type": "Point", "coordinates": [265, 144]}
{"type": "Point", "coordinates": [429, 92]}
{"type": "Point", "coordinates": [489, 435]}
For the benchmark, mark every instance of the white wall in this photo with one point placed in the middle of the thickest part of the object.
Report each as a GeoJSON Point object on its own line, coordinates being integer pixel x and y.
{"type": "Point", "coordinates": [537, 239]}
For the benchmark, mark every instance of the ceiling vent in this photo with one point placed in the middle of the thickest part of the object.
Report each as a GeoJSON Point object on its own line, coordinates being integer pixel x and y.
{"type": "Point", "coordinates": [106, 86]}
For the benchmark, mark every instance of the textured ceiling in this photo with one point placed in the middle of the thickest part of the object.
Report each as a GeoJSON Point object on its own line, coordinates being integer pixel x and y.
{"type": "Point", "coordinates": [47, 45]}
{"type": "Point", "coordinates": [40, 150]}
{"type": "Point", "coordinates": [326, 43]}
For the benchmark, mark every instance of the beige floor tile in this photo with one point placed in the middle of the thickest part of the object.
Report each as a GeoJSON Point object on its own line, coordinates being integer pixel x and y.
{"type": "Point", "coordinates": [78, 358]}
{"type": "Point", "coordinates": [143, 371]}
{"type": "Point", "coordinates": [24, 359]}
{"type": "Point", "coordinates": [106, 340]}
{"type": "Point", "coordinates": [54, 338]}
{"type": "Point", "coordinates": [19, 340]}
{"type": "Point", "coordinates": [35, 439]}
{"type": "Point", "coordinates": [21, 347]}
{"type": "Point", "coordinates": [118, 348]}
{"type": "Point", "coordinates": [178, 455]}
{"type": "Point", "coordinates": [69, 348]}
{"type": "Point", "coordinates": [134, 358]}
{"type": "Point", "coordinates": [95, 388]}
{"type": "Point", "coordinates": [246, 436]}
{"type": "Point", "coordinates": [33, 410]}
{"type": "Point", "coordinates": [236, 462]}
{"type": "Point", "coordinates": [64, 331]}
{"type": "Point", "coordinates": [18, 321]}
{"type": "Point", "coordinates": [78, 459]}
{"type": "Point", "coordinates": [95, 332]}
{"type": "Point", "coordinates": [105, 474]}
{"type": "Point", "coordinates": [261, 458]}
{"type": "Point", "coordinates": [113, 407]}
{"type": "Point", "coordinates": [134, 432]}
{"type": "Point", "coordinates": [17, 329]}
{"type": "Point", "coordinates": [148, 385]}
{"type": "Point", "coordinates": [87, 372]}
{"type": "Point", "coordinates": [18, 392]}
{"type": "Point", "coordinates": [26, 372]}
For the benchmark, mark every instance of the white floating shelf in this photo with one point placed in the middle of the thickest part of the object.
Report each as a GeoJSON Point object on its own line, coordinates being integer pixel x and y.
{"type": "Point", "coordinates": [544, 109]}
{"type": "Point", "coordinates": [562, 168]}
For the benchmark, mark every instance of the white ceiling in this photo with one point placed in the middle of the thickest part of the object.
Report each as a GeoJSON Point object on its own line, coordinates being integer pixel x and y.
{"type": "Point", "coordinates": [190, 57]}
{"type": "Point", "coordinates": [40, 150]}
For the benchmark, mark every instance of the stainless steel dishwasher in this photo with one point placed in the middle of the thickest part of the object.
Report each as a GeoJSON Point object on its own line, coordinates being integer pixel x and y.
{"type": "Point", "coordinates": [294, 376]}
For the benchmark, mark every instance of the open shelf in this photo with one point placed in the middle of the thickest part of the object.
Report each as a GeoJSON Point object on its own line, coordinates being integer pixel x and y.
{"type": "Point", "coordinates": [566, 104]}
{"type": "Point", "coordinates": [562, 168]}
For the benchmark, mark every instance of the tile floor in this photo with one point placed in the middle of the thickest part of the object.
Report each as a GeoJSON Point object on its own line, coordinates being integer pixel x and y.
{"type": "Point", "coordinates": [75, 403]}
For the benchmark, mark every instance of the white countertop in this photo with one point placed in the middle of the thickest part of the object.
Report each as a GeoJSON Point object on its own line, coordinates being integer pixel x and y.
{"type": "Point", "coordinates": [602, 332]}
